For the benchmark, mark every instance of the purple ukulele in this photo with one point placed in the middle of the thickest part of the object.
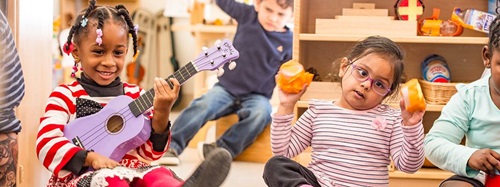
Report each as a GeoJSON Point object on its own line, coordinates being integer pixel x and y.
{"type": "Point", "coordinates": [121, 126]}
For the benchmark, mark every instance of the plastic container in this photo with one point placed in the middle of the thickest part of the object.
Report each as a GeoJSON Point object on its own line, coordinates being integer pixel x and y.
{"type": "Point", "coordinates": [494, 6]}
{"type": "Point", "coordinates": [412, 96]}
{"type": "Point", "coordinates": [435, 69]}
{"type": "Point", "coordinates": [433, 26]}
{"type": "Point", "coordinates": [292, 77]}
{"type": "Point", "coordinates": [473, 19]}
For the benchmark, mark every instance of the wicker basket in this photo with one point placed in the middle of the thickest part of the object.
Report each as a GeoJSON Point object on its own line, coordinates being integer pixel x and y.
{"type": "Point", "coordinates": [437, 93]}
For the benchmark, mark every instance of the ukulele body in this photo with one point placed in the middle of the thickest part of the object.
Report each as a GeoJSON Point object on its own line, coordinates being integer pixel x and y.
{"type": "Point", "coordinates": [111, 132]}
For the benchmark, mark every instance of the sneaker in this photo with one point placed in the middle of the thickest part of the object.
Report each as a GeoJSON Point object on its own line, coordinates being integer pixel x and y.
{"type": "Point", "coordinates": [170, 158]}
{"type": "Point", "coordinates": [205, 148]}
{"type": "Point", "coordinates": [212, 171]}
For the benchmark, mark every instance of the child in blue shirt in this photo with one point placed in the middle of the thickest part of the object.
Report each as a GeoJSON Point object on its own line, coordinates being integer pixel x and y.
{"type": "Point", "coordinates": [264, 42]}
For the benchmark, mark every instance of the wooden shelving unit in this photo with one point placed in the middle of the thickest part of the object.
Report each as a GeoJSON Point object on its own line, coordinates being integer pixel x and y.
{"type": "Point", "coordinates": [399, 39]}
{"type": "Point", "coordinates": [322, 52]}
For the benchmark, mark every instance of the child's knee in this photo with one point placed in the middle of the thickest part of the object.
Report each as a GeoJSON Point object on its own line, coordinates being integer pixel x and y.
{"type": "Point", "coordinates": [274, 163]}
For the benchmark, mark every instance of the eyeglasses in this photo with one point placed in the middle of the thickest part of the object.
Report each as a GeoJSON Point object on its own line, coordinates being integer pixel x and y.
{"type": "Point", "coordinates": [377, 85]}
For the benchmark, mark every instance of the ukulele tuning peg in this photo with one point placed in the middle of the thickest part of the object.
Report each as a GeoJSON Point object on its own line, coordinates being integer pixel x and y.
{"type": "Point", "coordinates": [220, 71]}
{"type": "Point", "coordinates": [205, 50]}
{"type": "Point", "coordinates": [217, 42]}
{"type": "Point", "coordinates": [232, 65]}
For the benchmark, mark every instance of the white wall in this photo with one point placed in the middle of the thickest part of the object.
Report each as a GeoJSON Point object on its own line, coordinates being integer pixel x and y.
{"type": "Point", "coordinates": [34, 34]}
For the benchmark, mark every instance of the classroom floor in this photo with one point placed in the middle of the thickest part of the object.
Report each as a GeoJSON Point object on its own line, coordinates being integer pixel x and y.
{"type": "Point", "coordinates": [242, 174]}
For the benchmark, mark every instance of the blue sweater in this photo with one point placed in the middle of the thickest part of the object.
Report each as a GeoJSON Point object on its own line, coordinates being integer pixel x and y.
{"type": "Point", "coordinates": [261, 52]}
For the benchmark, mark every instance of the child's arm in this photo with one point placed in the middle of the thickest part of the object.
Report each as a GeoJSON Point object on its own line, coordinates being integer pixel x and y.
{"type": "Point", "coordinates": [442, 142]}
{"type": "Point", "coordinates": [163, 101]}
{"type": "Point", "coordinates": [236, 10]}
{"type": "Point", "coordinates": [407, 141]}
{"type": "Point", "coordinates": [288, 140]}
{"type": "Point", "coordinates": [53, 150]}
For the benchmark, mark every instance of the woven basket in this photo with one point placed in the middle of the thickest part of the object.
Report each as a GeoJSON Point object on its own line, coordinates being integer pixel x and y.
{"type": "Point", "coordinates": [437, 93]}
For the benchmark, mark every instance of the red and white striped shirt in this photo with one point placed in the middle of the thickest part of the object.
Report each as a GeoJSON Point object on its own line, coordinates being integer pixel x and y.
{"type": "Point", "coordinates": [350, 148]}
{"type": "Point", "coordinates": [54, 150]}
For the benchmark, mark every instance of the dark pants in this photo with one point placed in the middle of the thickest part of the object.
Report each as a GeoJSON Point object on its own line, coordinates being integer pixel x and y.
{"type": "Point", "coordinates": [282, 171]}
{"type": "Point", "coordinates": [460, 181]}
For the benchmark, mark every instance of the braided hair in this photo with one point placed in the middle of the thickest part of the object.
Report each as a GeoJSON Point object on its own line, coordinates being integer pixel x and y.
{"type": "Point", "coordinates": [494, 35]}
{"type": "Point", "coordinates": [119, 14]}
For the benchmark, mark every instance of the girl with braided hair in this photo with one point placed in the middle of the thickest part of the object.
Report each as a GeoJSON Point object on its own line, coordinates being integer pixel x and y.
{"type": "Point", "coordinates": [474, 113]}
{"type": "Point", "coordinates": [99, 41]}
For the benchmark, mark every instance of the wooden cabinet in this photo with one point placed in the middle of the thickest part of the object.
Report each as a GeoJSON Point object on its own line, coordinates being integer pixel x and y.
{"type": "Point", "coordinates": [320, 51]}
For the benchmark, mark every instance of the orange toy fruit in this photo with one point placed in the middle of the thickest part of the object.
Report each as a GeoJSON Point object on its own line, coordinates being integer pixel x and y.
{"type": "Point", "coordinates": [413, 96]}
{"type": "Point", "coordinates": [292, 77]}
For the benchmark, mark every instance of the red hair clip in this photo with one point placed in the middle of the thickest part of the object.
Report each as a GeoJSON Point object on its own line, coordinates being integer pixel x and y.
{"type": "Point", "coordinates": [67, 49]}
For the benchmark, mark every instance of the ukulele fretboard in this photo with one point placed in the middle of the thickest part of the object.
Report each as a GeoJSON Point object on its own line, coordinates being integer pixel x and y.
{"type": "Point", "coordinates": [145, 101]}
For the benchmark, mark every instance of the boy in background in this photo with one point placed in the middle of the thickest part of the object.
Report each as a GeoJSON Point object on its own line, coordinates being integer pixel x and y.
{"type": "Point", "coordinates": [264, 42]}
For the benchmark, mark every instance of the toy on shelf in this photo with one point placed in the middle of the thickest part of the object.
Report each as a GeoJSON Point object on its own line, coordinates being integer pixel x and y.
{"type": "Point", "coordinates": [433, 26]}
{"type": "Point", "coordinates": [365, 19]}
{"type": "Point", "coordinates": [292, 77]}
{"type": "Point", "coordinates": [435, 69]}
{"type": "Point", "coordinates": [409, 9]}
{"type": "Point", "coordinates": [473, 19]}
{"type": "Point", "coordinates": [494, 6]}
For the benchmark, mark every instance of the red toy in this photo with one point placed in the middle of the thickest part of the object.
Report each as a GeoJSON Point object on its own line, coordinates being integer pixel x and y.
{"type": "Point", "coordinates": [409, 9]}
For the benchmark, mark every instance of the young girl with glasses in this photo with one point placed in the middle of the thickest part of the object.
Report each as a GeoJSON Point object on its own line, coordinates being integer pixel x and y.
{"type": "Point", "coordinates": [354, 138]}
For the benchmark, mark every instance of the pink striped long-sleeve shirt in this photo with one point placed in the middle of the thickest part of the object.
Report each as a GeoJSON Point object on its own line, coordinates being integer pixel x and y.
{"type": "Point", "coordinates": [350, 148]}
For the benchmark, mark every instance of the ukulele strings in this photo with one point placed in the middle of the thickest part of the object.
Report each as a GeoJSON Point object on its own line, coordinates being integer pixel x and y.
{"type": "Point", "coordinates": [129, 115]}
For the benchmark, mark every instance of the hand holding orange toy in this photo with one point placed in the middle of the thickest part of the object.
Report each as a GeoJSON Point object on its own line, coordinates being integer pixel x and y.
{"type": "Point", "coordinates": [413, 97]}
{"type": "Point", "coordinates": [292, 77]}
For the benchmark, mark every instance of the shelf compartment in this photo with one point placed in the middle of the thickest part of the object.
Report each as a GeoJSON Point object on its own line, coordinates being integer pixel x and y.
{"type": "Point", "coordinates": [400, 39]}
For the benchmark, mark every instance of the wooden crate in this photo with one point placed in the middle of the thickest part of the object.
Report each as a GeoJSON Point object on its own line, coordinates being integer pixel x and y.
{"type": "Point", "coordinates": [259, 151]}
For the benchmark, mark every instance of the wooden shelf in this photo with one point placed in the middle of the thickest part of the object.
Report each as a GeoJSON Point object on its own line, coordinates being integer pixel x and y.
{"type": "Point", "coordinates": [423, 173]}
{"type": "Point", "coordinates": [430, 108]}
{"type": "Point", "coordinates": [401, 39]}
{"type": "Point", "coordinates": [323, 52]}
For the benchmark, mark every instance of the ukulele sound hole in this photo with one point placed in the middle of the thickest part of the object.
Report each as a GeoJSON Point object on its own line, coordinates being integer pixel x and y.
{"type": "Point", "coordinates": [115, 124]}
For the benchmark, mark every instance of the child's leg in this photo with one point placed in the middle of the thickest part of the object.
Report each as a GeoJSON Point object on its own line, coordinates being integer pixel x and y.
{"type": "Point", "coordinates": [461, 181]}
{"type": "Point", "coordinates": [212, 171]}
{"type": "Point", "coordinates": [282, 171]}
{"type": "Point", "coordinates": [159, 177]}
